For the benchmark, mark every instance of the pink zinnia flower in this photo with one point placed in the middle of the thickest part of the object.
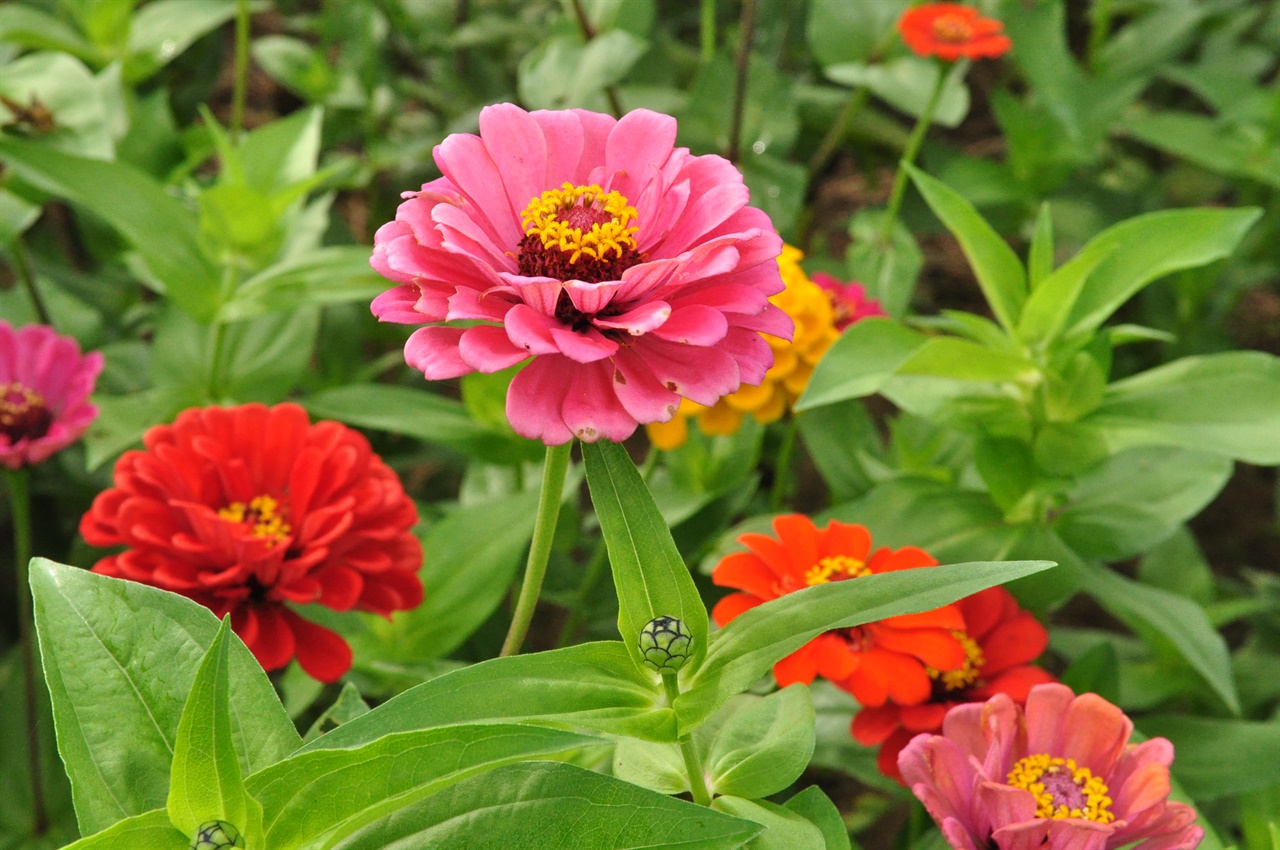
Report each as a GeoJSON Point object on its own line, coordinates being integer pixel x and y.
{"type": "Point", "coordinates": [848, 300]}
{"type": "Point", "coordinates": [632, 272]}
{"type": "Point", "coordinates": [45, 384]}
{"type": "Point", "coordinates": [1060, 775]}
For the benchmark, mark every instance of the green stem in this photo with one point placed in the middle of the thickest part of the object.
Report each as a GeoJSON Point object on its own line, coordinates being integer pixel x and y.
{"type": "Point", "coordinates": [28, 278]}
{"type": "Point", "coordinates": [707, 31]}
{"type": "Point", "coordinates": [782, 469]}
{"type": "Point", "coordinates": [746, 33]}
{"type": "Point", "coordinates": [240, 83]}
{"type": "Point", "coordinates": [20, 497]}
{"type": "Point", "coordinates": [835, 135]}
{"type": "Point", "coordinates": [590, 578]}
{"type": "Point", "coordinates": [1099, 30]}
{"type": "Point", "coordinates": [588, 33]}
{"type": "Point", "coordinates": [692, 762]}
{"type": "Point", "coordinates": [909, 157]}
{"type": "Point", "coordinates": [544, 529]}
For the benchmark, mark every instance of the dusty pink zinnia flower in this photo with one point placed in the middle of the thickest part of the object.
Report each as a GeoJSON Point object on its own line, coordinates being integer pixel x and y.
{"type": "Point", "coordinates": [849, 300]}
{"type": "Point", "coordinates": [45, 384]}
{"type": "Point", "coordinates": [632, 272]}
{"type": "Point", "coordinates": [1060, 775]}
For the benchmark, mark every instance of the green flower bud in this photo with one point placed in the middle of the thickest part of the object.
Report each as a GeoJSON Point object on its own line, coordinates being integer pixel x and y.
{"type": "Point", "coordinates": [665, 644]}
{"type": "Point", "coordinates": [216, 835]}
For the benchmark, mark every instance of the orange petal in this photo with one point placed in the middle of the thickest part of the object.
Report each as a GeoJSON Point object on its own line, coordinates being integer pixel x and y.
{"type": "Point", "coordinates": [842, 538]}
{"type": "Point", "coordinates": [731, 606]}
{"type": "Point", "coordinates": [936, 647]}
{"type": "Point", "coordinates": [745, 571]}
{"type": "Point", "coordinates": [799, 537]}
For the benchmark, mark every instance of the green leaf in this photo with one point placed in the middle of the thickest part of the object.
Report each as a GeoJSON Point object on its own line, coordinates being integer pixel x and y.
{"type": "Point", "coordinates": [784, 829]}
{"type": "Point", "coordinates": [296, 65]}
{"type": "Point", "coordinates": [592, 686]}
{"type": "Point", "coordinates": [205, 782]}
{"type": "Point", "coordinates": [552, 806]}
{"type": "Point", "coordinates": [422, 415]}
{"type": "Point", "coordinates": [348, 706]}
{"type": "Point", "coordinates": [1007, 468]}
{"type": "Point", "coordinates": [1097, 671]}
{"type": "Point", "coordinates": [859, 363]}
{"type": "Point", "coordinates": [284, 153]}
{"type": "Point", "coordinates": [330, 794]}
{"type": "Point", "coordinates": [999, 272]}
{"type": "Point", "coordinates": [907, 83]}
{"type": "Point", "coordinates": [162, 29]}
{"type": "Point", "coordinates": [122, 419]}
{"type": "Point", "coordinates": [148, 831]}
{"type": "Point", "coordinates": [1137, 498]}
{"type": "Point", "coordinates": [65, 87]}
{"type": "Point", "coordinates": [1227, 403]}
{"type": "Point", "coordinates": [651, 577]}
{"type": "Point", "coordinates": [1219, 758]}
{"type": "Point", "coordinates": [658, 767]}
{"type": "Point", "coordinates": [962, 360]}
{"type": "Point", "coordinates": [120, 659]}
{"type": "Point", "coordinates": [888, 271]}
{"type": "Point", "coordinates": [562, 71]}
{"type": "Point", "coordinates": [338, 274]}
{"type": "Point", "coordinates": [745, 649]}
{"type": "Point", "coordinates": [816, 807]}
{"type": "Point", "coordinates": [848, 32]}
{"type": "Point", "coordinates": [1040, 260]}
{"type": "Point", "coordinates": [157, 224]}
{"type": "Point", "coordinates": [35, 28]}
{"type": "Point", "coordinates": [1222, 146]}
{"type": "Point", "coordinates": [1176, 619]}
{"type": "Point", "coordinates": [834, 434]}
{"type": "Point", "coordinates": [764, 746]}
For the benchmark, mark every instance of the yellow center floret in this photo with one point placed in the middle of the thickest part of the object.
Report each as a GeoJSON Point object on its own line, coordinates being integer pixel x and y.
{"type": "Point", "coordinates": [23, 413]}
{"type": "Point", "coordinates": [263, 513]}
{"type": "Point", "coordinates": [835, 568]}
{"type": "Point", "coordinates": [582, 220]}
{"type": "Point", "coordinates": [954, 29]}
{"type": "Point", "coordinates": [1061, 789]}
{"type": "Point", "coordinates": [966, 676]}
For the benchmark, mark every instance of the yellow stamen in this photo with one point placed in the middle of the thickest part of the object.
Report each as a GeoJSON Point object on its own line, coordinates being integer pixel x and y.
{"type": "Point", "coordinates": [1061, 789]}
{"type": "Point", "coordinates": [264, 513]}
{"type": "Point", "coordinates": [835, 568]}
{"type": "Point", "coordinates": [551, 217]}
{"type": "Point", "coordinates": [952, 28]}
{"type": "Point", "coordinates": [966, 676]}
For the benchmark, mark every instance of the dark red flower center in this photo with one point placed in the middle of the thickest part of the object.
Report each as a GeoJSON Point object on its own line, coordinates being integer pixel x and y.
{"type": "Point", "coordinates": [23, 413]}
{"type": "Point", "coordinates": [578, 233]}
{"type": "Point", "coordinates": [264, 516]}
{"type": "Point", "coordinates": [952, 28]}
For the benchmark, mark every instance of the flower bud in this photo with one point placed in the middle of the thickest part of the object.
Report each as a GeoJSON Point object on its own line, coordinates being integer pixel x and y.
{"type": "Point", "coordinates": [665, 644]}
{"type": "Point", "coordinates": [216, 835]}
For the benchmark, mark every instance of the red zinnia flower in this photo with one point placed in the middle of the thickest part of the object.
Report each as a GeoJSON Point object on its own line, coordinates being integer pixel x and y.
{"type": "Point", "coordinates": [1000, 640]}
{"type": "Point", "coordinates": [951, 30]}
{"type": "Point", "coordinates": [45, 384]}
{"type": "Point", "coordinates": [245, 509]}
{"type": "Point", "coordinates": [884, 660]}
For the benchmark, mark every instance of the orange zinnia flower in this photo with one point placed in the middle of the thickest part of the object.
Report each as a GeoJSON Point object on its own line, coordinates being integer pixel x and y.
{"type": "Point", "coordinates": [1000, 641]}
{"type": "Point", "coordinates": [950, 30]}
{"type": "Point", "coordinates": [876, 662]}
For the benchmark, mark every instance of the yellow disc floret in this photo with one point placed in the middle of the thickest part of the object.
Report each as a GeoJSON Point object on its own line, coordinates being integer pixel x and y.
{"type": "Point", "coordinates": [263, 513]}
{"type": "Point", "coordinates": [1061, 789]}
{"type": "Point", "coordinates": [835, 568]}
{"type": "Point", "coordinates": [966, 676]}
{"type": "Point", "coordinates": [582, 220]}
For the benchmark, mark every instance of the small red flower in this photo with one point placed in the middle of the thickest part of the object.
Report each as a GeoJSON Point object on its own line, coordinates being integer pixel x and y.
{"type": "Point", "coordinates": [1000, 641]}
{"type": "Point", "coordinates": [849, 301]}
{"type": "Point", "coordinates": [951, 30]}
{"type": "Point", "coordinates": [880, 661]}
{"type": "Point", "coordinates": [246, 509]}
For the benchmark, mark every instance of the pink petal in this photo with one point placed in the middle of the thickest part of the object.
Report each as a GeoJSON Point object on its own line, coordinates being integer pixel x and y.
{"type": "Point", "coordinates": [434, 352]}
{"type": "Point", "coordinates": [639, 320]}
{"type": "Point", "coordinates": [1096, 733]}
{"type": "Point", "coordinates": [487, 349]}
{"type": "Point", "coordinates": [1046, 713]}
{"type": "Point", "coordinates": [396, 305]}
{"type": "Point", "coordinates": [531, 330]}
{"type": "Point", "coordinates": [536, 397]}
{"type": "Point", "coordinates": [564, 136]}
{"type": "Point", "coordinates": [639, 143]}
{"type": "Point", "coordinates": [640, 393]}
{"type": "Point", "coordinates": [463, 234]}
{"type": "Point", "coordinates": [592, 411]}
{"type": "Point", "coordinates": [591, 298]}
{"type": "Point", "coordinates": [749, 350]}
{"type": "Point", "coordinates": [699, 374]}
{"type": "Point", "coordinates": [465, 161]}
{"type": "Point", "coordinates": [515, 143]}
{"type": "Point", "coordinates": [585, 347]}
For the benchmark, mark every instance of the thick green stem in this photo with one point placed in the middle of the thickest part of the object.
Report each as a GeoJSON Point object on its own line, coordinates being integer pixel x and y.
{"type": "Point", "coordinates": [692, 762]}
{"type": "Point", "coordinates": [544, 529]}
{"type": "Point", "coordinates": [746, 34]}
{"type": "Point", "coordinates": [240, 83]}
{"type": "Point", "coordinates": [23, 267]}
{"type": "Point", "coordinates": [782, 469]}
{"type": "Point", "coordinates": [707, 32]}
{"type": "Point", "coordinates": [909, 157]}
{"type": "Point", "coordinates": [20, 498]}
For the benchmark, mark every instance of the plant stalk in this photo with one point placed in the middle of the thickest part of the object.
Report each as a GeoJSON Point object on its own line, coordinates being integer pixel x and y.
{"type": "Point", "coordinates": [746, 34]}
{"type": "Point", "coordinates": [240, 82]}
{"type": "Point", "coordinates": [692, 762]}
{"type": "Point", "coordinates": [782, 469]}
{"type": "Point", "coordinates": [588, 33]}
{"type": "Point", "coordinates": [23, 267]}
{"type": "Point", "coordinates": [707, 32]}
{"type": "Point", "coordinates": [909, 157]}
{"type": "Point", "coordinates": [544, 529]}
{"type": "Point", "coordinates": [590, 578]}
{"type": "Point", "coordinates": [20, 497]}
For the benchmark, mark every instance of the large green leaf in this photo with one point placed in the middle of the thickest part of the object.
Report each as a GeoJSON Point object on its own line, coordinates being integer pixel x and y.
{"type": "Point", "coordinates": [1175, 619]}
{"type": "Point", "coordinates": [998, 269]}
{"type": "Point", "coordinates": [422, 415]}
{"type": "Point", "coordinates": [651, 577]}
{"type": "Point", "coordinates": [764, 746]}
{"type": "Point", "coordinates": [205, 783]}
{"type": "Point", "coordinates": [817, 808]}
{"type": "Point", "coordinates": [592, 685]}
{"type": "Point", "coordinates": [338, 274]}
{"type": "Point", "coordinates": [745, 649]}
{"type": "Point", "coordinates": [784, 829]}
{"type": "Point", "coordinates": [162, 29]}
{"type": "Point", "coordinates": [156, 223]}
{"type": "Point", "coordinates": [332, 793]}
{"type": "Point", "coordinates": [120, 659]}
{"type": "Point", "coordinates": [147, 831]}
{"type": "Point", "coordinates": [1219, 758]}
{"type": "Point", "coordinates": [865, 356]}
{"type": "Point", "coordinates": [1226, 403]}
{"type": "Point", "coordinates": [551, 806]}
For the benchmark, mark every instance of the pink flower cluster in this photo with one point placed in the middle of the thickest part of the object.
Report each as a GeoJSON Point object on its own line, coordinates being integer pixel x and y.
{"type": "Point", "coordinates": [45, 384]}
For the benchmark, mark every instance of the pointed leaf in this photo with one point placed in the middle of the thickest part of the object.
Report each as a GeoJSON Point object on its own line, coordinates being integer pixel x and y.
{"type": "Point", "coordinates": [148, 831]}
{"type": "Point", "coordinates": [859, 363]}
{"type": "Point", "coordinates": [764, 746]}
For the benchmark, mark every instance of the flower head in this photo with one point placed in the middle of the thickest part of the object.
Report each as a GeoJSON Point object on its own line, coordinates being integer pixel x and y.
{"type": "Point", "coordinates": [952, 30]}
{"type": "Point", "coordinates": [1000, 641]}
{"type": "Point", "coordinates": [216, 835]}
{"type": "Point", "coordinates": [1058, 774]}
{"type": "Point", "coordinates": [45, 384]}
{"type": "Point", "coordinates": [876, 662]}
{"type": "Point", "coordinates": [820, 312]}
{"type": "Point", "coordinates": [630, 273]}
{"type": "Point", "coordinates": [666, 644]}
{"type": "Point", "coordinates": [246, 509]}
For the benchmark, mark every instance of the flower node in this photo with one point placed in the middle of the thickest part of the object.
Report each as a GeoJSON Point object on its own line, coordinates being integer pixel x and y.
{"type": "Point", "coordinates": [1061, 789]}
{"type": "Point", "coordinates": [578, 232]}
{"type": "Point", "coordinates": [965, 676]}
{"type": "Point", "coordinates": [665, 644]}
{"type": "Point", "coordinates": [216, 835]}
{"type": "Point", "coordinates": [23, 413]}
{"type": "Point", "coordinates": [835, 568]}
{"type": "Point", "coordinates": [263, 514]}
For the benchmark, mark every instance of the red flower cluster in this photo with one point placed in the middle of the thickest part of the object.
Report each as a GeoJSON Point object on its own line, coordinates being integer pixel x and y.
{"type": "Point", "coordinates": [246, 509]}
{"type": "Point", "coordinates": [951, 30]}
{"type": "Point", "coordinates": [907, 671]}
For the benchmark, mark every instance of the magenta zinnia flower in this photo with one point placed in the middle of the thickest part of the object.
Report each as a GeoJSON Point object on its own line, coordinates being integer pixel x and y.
{"type": "Point", "coordinates": [1060, 775]}
{"type": "Point", "coordinates": [632, 272]}
{"type": "Point", "coordinates": [45, 384]}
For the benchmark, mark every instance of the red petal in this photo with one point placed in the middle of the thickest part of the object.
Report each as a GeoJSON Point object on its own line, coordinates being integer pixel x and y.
{"type": "Point", "coordinates": [323, 653]}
